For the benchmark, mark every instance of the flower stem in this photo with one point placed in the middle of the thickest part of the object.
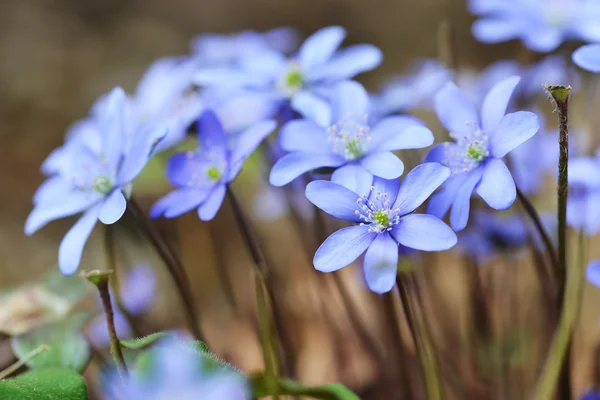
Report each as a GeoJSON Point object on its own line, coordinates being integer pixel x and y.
{"type": "Point", "coordinates": [434, 386]}
{"type": "Point", "coordinates": [560, 344]}
{"type": "Point", "coordinates": [14, 367]}
{"type": "Point", "coordinates": [174, 265]}
{"type": "Point", "coordinates": [264, 296]}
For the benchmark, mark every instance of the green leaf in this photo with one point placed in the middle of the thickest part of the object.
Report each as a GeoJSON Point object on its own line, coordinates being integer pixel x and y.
{"type": "Point", "coordinates": [332, 391]}
{"type": "Point", "coordinates": [145, 341]}
{"type": "Point", "coordinates": [44, 384]}
{"type": "Point", "coordinates": [68, 347]}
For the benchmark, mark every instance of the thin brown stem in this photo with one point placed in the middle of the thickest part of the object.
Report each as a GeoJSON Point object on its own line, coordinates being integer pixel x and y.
{"type": "Point", "coordinates": [115, 345]}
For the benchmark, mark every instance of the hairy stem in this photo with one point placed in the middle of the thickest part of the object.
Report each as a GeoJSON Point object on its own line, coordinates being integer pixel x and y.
{"type": "Point", "coordinates": [14, 367]}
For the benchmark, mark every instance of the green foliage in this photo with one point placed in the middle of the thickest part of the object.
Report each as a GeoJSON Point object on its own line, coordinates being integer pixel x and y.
{"type": "Point", "coordinates": [44, 384]}
{"type": "Point", "coordinates": [332, 391]}
{"type": "Point", "coordinates": [145, 341]}
{"type": "Point", "coordinates": [68, 347]}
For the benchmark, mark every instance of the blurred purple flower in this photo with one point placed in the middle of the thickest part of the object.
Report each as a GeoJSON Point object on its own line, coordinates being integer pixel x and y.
{"type": "Point", "coordinates": [583, 212]}
{"type": "Point", "coordinates": [592, 273]}
{"type": "Point", "coordinates": [588, 57]}
{"type": "Point", "coordinates": [542, 25]}
{"type": "Point", "coordinates": [475, 158]}
{"type": "Point", "coordinates": [201, 176]}
{"type": "Point", "coordinates": [476, 85]}
{"type": "Point", "coordinates": [382, 211]}
{"type": "Point", "coordinates": [339, 135]}
{"type": "Point", "coordinates": [591, 395]}
{"type": "Point", "coordinates": [95, 181]}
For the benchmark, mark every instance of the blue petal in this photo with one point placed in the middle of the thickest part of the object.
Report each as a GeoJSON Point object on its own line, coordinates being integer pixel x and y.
{"type": "Point", "coordinates": [343, 247]}
{"type": "Point", "coordinates": [399, 133]}
{"type": "Point", "coordinates": [497, 187]}
{"type": "Point", "coordinates": [114, 125]}
{"type": "Point", "coordinates": [512, 131]}
{"type": "Point", "coordinates": [495, 103]}
{"type": "Point", "coordinates": [304, 135]}
{"type": "Point", "coordinates": [65, 206]}
{"type": "Point", "coordinates": [139, 286]}
{"type": "Point", "coordinates": [387, 187]}
{"type": "Point", "coordinates": [248, 141]}
{"type": "Point", "coordinates": [353, 177]}
{"type": "Point", "coordinates": [71, 247]}
{"type": "Point", "coordinates": [588, 57]}
{"type": "Point", "coordinates": [544, 40]}
{"type": "Point", "coordinates": [267, 63]}
{"type": "Point", "coordinates": [455, 111]}
{"type": "Point", "coordinates": [419, 184]}
{"type": "Point", "coordinates": [209, 209]}
{"type": "Point", "coordinates": [591, 214]}
{"type": "Point", "coordinates": [52, 189]}
{"type": "Point", "coordinates": [292, 165]}
{"type": "Point", "coordinates": [139, 152]}
{"type": "Point", "coordinates": [211, 136]}
{"type": "Point", "coordinates": [347, 63]}
{"type": "Point", "coordinates": [112, 208]}
{"type": "Point", "coordinates": [459, 215]}
{"type": "Point", "coordinates": [440, 202]}
{"type": "Point", "coordinates": [349, 100]}
{"type": "Point", "coordinates": [490, 30]}
{"type": "Point", "coordinates": [424, 232]}
{"type": "Point", "coordinates": [178, 202]}
{"type": "Point", "coordinates": [383, 164]}
{"type": "Point", "coordinates": [381, 264]}
{"type": "Point", "coordinates": [592, 273]}
{"type": "Point", "coordinates": [584, 171]}
{"type": "Point", "coordinates": [334, 199]}
{"type": "Point", "coordinates": [576, 212]}
{"type": "Point", "coordinates": [226, 77]}
{"type": "Point", "coordinates": [313, 108]}
{"type": "Point", "coordinates": [320, 46]}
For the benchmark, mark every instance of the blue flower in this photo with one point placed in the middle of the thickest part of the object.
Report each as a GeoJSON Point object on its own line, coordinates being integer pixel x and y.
{"type": "Point", "coordinates": [542, 25]}
{"type": "Point", "coordinates": [591, 395]}
{"type": "Point", "coordinates": [95, 181]}
{"type": "Point", "coordinates": [339, 135]}
{"type": "Point", "coordinates": [592, 273]}
{"type": "Point", "coordinates": [588, 57]}
{"type": "Point", "coordinates": [382, 211]}
{"type": "Point", "coordinates": [201, 176]}
{"type": "Point", "coordinates": [177, 372]}
{"type": "Point", "coordinates": [583, 212]}
{"type": "Point", "coordinates": [475, 85]}
{"type": "Point", "coordinates": [317, 65]}
{"type": "Point", "coordinates": [475, 158]}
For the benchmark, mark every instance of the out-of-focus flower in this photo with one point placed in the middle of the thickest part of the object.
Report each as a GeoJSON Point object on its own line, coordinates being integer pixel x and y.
{"type": "Point", "coordinates": [552, 70]}
{"type": "Point", "coordinates": [95, 181]}
{"type": "Point", "coordinates": [415, 89]}
{"type": "Point", "coordinates": [383, 214]}
{"type": "Point", "coordinates": [339, 135]}
{"type": "Point", "coordinates": [475, 158]}
{"type": "Point", "coordinates": [137, 294]}
{"type": "Point", "coordinates": [588, 57]}
{"type": "Point", "coordinates": [592, 273]}
{"type": "Point", "coordinates": [176, 372]}
{"type": "Point", "coordinates": [591, 395]}
{"type": "Point", "coordinates": [583, 212]}
{"type": "Point", "coordinates": [542, 25]}
{"type": "Point", "coordinates": [476, 85]}
{"type": "Point", "coordinates": [317, 65]}
{"type": "Point", "coordinates": [201, 176]}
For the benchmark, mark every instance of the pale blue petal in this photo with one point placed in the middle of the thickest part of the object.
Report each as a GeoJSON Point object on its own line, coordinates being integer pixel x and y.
{"type": "Point", "coordinates": [353, 177]}
{"type": "Point", "coordinates": [544, 40]}
{"type": "Point", "coordinates": [178, 202]}
{"type": "Point", "coordinates": [459, 215]}
{"type": "Point", "coordinates": [52, 189]}
{"type": "Point", "coordinates": [68, 204]}
{"type": "Point", "coordinates": [138, 154]}
{"type": "Point", "coordinates": [399, 133]}
{"type": "Point", "coordinates": [313, 108]}
{"type": "Point", "coordinates": [292, 165]}
{"type": "Point", "coordinates": [381, 264]}
{"type": "Point", "coordinates": [383, 164]}
{"type": "Point", "coordinates": [211, 135]}
{"type": "Point", "coordinates": [512, 131]}
{"type": "Point", "coordinates": [225, 77]}
{"type": "Point", "coordinates": [182, 168]}
{"type": "Point", "coordinates": [455, 111]}
{"type": "Point", "coordinates": [592, 214]}
{"type": "Point", "coordinates": [304, 135]}
{"type": "Point", "coordinates": [138, 288]}
{"type": "Point", "coordinates": [209, 209]}
{"type": "Point", "coordinates": [343, 247]}
{"type": "Point", "coordinates": [495, 103]}
{"type": "Point", "coordinates": [334, 199]}
{"type": "Point", "coordinates": [419, 184]}
{"type": "Point", "coordinates": [424, 232]}
{"type": "Point", "coordinates": [347, 63]}
{"type": "Point", "coordinates": [114, 126]}
{"type": "Point", "coordinates": [588, 57]}
{"type": "Point", "coordinates": [592, 273]}
{"type": "Point", "coordinates": [320, 46]}
{"type": "Point", "coordinates": [576, 212]}
{"type": "Point", "coordinates": [384, 190]}
{"type": "Point", "coordinates": [494, 30]}
{"type": "Point", "coordinates": [440, 202]}
{"type": "Point", "coordinates": [250, 139]}
{"type": "Point", "coordinates": [71, 247]}
{"type": "Point", "coordinates": [267, 63]}
{"type": "Point", "coordinates": [584, 171]}
{"type": "Point", "coordinates": [113, 208]}
{"type": "Point", "coordinates": [349, 100]}
{"type": "Point", "coordinates": [497, 187]}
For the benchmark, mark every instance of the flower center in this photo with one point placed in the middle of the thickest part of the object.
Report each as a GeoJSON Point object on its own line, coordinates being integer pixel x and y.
{"type": "Point", "coordinates": [376, 212]}
{"type": "Point", "coordinates": [102, 184]}
{"type": "Point", "coordinates": [557, 14]}
{"type": "Point", "coordinates": [467, 152]}
{"type": "Point", "coordinates": [350, 137]}
{"type": "Point", "coordinates": [293, 80]}
{"type": "Point", "coordinates": [213, 173]}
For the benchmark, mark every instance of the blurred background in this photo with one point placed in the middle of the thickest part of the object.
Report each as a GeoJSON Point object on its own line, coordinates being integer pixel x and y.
{"type": "Point", "coordinates": [58, 56]}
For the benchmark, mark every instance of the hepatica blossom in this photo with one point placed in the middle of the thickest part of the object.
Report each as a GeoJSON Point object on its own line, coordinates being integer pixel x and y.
{"type": "Point", "coordinates": [588, 57]}
{"type": "Point", "coordinates": [339, 135]}
{"type": "Point", "coordinates": [382, 211]}
{"type": "Point", "coordinates": [583, 212]}
{"type": "Point", "coordinates": [475, 156]}
{"type": "Point", "coordinates": [94, 181]}
{"type": "Point", "coordinates": [201, 176]}
{"type": "Point", "coordinates": [542, 25]}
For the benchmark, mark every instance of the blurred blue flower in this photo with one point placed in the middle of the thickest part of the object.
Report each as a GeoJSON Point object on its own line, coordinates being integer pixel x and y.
{"type": "Point", "coordinates": [475, 158]}
{"type": "Point", "coordinates": [592, 273]}
{"type": "Point", "coordinates": [542, 25]}
{"type": "Point", "coordinates": [551, 70]}
{"type": "Point", "coordinates": [201, 176]}
{"type": "Point", "coordinates": [588, 57]}
{"type": "Point", "coordinates": [415, 89]}
{"type": "Point", "coordinates": [137, 291]}
{"type": "Point", "coordinates": [591, 395]}
{"type": "Point", "coordinates": [583, 212]}
{"type": "Point", "coordinates": [475, 85]}
{"type": "Point", "coordinates": [382, 211]}
{"type": "Point", "coordinates": [317, 65]}
{"type": "Point", "coordinates": [176, 372]}
{"type": "Point", "coordinates": [93, 180]}
{"type": "Point", "coordinates": [339, 135]}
